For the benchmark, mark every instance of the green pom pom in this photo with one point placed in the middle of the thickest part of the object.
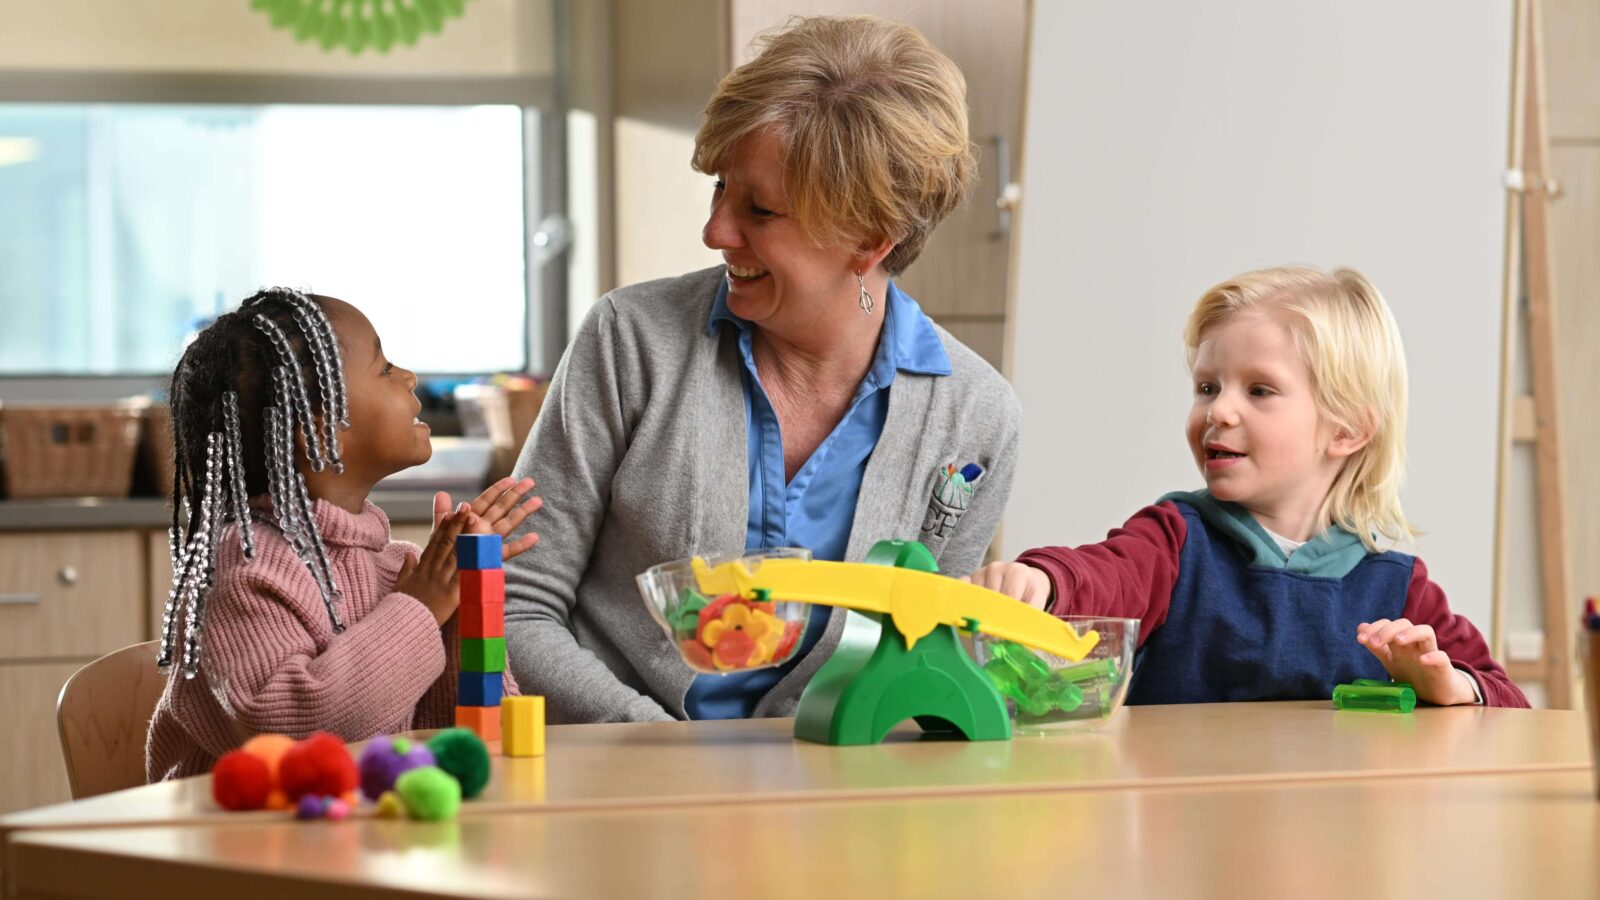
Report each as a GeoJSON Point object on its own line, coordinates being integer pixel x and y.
{"type": "Point", "coordinates": [429, 793]}
{"type": "Point", "coordinates": [464, 755]}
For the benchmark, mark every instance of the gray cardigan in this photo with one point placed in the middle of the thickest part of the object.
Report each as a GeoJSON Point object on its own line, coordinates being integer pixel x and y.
{"type": "Point", "coordinates": [640, 455]}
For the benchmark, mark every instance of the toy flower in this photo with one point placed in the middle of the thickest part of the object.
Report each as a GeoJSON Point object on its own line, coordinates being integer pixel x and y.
{"type": "Point", "coordinates": [742, 636]}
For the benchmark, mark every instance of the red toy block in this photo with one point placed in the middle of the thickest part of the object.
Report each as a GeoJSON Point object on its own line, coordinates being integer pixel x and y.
{"type": "Point", "coordinates": [484, 720]}
{"type": "Point", "coordinates": [482, 621]}
{"type": "Point", "coordinates": [482, 587]}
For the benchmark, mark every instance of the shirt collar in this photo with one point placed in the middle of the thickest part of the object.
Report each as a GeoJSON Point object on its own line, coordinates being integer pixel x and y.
{"type": "Point", "coordinates": [909, 342]}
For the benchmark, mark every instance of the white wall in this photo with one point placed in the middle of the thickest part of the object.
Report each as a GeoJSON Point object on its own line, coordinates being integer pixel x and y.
{"type": "Point", "coordinates": [1171, 145]}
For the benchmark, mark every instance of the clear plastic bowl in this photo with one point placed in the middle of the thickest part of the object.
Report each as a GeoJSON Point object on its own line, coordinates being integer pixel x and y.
{"type": "Point", "coordinates": [1048, 693]}
{"type": "Point", "coordinates": [727, 633]}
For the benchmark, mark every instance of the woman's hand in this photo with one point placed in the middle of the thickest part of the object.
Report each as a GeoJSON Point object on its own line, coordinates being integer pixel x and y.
{"type": "Point", "coordinates": [1410, 653]}
{"type": "Point", "coordinates": [432, 579]}
{"type": "Point", "coordinates": [1018, 581]}
{"type": "Point", "coordinates": [500, 509]}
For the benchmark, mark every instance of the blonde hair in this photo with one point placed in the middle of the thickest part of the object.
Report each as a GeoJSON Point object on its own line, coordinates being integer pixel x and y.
{"type": "Point", "coordinates": [1350, 342]}
{"type": "Point", "coordinates": [873, 124]}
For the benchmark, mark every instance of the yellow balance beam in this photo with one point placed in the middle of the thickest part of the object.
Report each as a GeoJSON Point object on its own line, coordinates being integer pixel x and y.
{"type": "Point", "coordinates": [916, 602]}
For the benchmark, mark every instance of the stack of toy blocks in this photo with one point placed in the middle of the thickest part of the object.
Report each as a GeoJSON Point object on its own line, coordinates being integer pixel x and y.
{"type": "Point", "coordinates": [482, 619]}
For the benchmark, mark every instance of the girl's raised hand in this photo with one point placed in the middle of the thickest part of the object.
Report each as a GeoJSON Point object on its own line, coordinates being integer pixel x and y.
{"type": "Point", "coordinates": [432, 578]}
{"type": "Point", "coordinates": [500, 509]}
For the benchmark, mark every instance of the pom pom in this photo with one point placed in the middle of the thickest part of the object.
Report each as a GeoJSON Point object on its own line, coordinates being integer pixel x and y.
{"type": "Point", "coordinates": [270, 748]}
{"type": "Point", "coordinates": [384, 759]}
{"type": "Point", "coordinates": [336, 809]}
{"type": "Point", "coordinates": [310, 807]}
{"type": "Point", "coordinates": [317, 765]}
{"type": "Point", "coordinates": [390, 806]}
{"type": "Point", "coordinates": [240, 780]}
{"type": "Point", "coordinates": [465, 756]}
{"type": "Point", "coordinates": [430, 793]}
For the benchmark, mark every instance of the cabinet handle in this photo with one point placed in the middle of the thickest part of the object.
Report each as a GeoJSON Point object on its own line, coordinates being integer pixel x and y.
{"type": "Point", "coordinates": [1007, 192]}
{"type": "Point", "coordinates": [68, 575]}
{"type": "Point", "coordinates": [20, 599]}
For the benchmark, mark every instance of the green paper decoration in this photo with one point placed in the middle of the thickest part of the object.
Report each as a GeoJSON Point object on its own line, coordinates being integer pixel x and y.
{"type": "Point", "coordinates": [356, 25]}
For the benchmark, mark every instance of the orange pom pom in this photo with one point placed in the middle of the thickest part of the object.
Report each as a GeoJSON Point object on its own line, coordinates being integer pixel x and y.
{"type": "Point", "coordinates": [319, 765]}
{"type": "Point", "coordinates": [240, 781]}
{"type": "Point", "coordinates": [271, 748]}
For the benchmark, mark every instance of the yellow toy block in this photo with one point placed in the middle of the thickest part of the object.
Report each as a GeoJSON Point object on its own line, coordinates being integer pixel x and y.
{"type": "Point", "coordinates": [522, 726]}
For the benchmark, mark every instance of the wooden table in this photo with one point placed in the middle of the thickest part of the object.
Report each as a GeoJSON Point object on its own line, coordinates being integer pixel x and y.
{"type": "Point", "coordinates": [614, 774]}
{"type": "Point", "coordinates": [1500, 836]}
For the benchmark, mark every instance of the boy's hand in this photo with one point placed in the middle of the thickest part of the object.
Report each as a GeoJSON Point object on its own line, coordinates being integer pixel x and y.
{"type": "Point", "coordinates": [499, 510]}
{"type": "Point", "coordinates": [1410, 653]}
{"type": "Point", "coordinates": [1016, 580]}
{"type": "Point", "coordinates": [432, 579]}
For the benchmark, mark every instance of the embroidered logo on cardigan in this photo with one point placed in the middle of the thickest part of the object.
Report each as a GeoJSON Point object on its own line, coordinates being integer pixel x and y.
{"type": "Point", "coordinates": [952, 492]}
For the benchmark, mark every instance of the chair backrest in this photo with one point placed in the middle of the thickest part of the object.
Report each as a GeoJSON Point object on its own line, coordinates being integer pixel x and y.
{"type": "Point", "coordinates": [103, 714]}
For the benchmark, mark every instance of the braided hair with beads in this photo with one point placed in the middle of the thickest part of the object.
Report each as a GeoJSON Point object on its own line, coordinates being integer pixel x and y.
{"type": "Point", "coordinates": [240, 396]}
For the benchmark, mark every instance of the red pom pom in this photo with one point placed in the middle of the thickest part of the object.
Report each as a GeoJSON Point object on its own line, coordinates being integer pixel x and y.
{"type": "Point", "coordinates": [240, 781]}
{"type": "Point", "coordinates": [318, 765]}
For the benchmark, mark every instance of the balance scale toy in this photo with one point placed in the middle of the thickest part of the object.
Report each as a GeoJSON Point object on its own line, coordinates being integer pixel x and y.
{"type": "Point", "coordinates": [918, 670]}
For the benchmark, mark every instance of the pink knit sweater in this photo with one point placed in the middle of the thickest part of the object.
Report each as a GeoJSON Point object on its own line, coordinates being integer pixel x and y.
{"type": "Point", "coordinates": [270, 662]}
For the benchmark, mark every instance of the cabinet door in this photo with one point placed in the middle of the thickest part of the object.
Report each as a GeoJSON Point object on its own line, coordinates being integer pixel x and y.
{"type": "Point", "coordinates": [70, 594]}
{"type": "Point", "coordinates": [33, 774]}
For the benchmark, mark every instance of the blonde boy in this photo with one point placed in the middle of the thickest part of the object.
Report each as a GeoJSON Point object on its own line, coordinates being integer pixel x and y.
{"type": "Point", "coordinates": [1271, 584]}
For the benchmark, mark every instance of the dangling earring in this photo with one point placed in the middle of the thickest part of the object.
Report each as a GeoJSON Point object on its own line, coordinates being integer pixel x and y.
{"type": "Point", "coordinates": [866, 298]}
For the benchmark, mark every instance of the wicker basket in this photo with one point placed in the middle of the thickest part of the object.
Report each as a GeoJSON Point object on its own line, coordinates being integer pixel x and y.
{"type": "Point", "coordinates": [68, 451]}
{"type": "Point", "coordinates": [155, 448]}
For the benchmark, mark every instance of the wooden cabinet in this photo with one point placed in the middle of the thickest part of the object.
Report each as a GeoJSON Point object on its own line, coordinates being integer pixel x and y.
{"type": "Point", "coordinates": [33, 774]}
{"type": "Point", "coordinates": [69, 594]}
{"type": "Point", "coordinates": [66, 598]}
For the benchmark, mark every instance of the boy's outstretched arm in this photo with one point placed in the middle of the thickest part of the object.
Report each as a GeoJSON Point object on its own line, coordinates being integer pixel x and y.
{"type": "Point", "coordinates": [1128, 575]}
{"type": "Point", "coordinates": [1437, 652]}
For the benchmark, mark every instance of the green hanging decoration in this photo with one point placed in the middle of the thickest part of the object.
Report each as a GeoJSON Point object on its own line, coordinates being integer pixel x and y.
{"type": "Point", "coordinates": [356, 25]}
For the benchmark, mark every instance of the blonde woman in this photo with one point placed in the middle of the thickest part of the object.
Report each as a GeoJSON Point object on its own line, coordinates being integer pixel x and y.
{"type": "Point", "coordinates": [1271, 584]}
{"type": "Point", "coordinates": [793, 396]}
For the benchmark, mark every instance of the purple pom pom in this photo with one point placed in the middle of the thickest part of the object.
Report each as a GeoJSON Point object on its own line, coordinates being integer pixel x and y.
{"type": "Point", "coordinates": [309, 807]}
{"type": "Point", "coordinates": [385, 759]}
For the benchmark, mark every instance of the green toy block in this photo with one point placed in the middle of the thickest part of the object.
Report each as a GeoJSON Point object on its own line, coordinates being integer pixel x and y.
{"type": "Point", "coordinates": [483, 654]}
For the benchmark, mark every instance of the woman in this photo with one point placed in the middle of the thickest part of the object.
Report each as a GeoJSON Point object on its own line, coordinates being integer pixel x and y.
{"type": "Point", "coordinates": [791, 397]}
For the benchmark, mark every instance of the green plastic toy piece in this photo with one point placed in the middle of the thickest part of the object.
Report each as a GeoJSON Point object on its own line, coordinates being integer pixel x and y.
{"type": "Point", "coordinates": [1040, 692]}
{"type": "Point", "coordinates": [1089, 671]}
{"type": "Point", "coordinates": [1027, 666]}
{"type": "Point", "coordinates": [863, 691]}
{"type": "Point", "coordinates": [1371, 695]}
{"type": "Point", "coordinates": [685, 615]}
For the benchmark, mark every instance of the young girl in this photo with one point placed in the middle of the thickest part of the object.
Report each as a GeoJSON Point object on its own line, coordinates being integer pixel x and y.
{"type": "Point", "coordinates": [1270, 584]}
{"type": "Point", "coordinates": [294, 609]}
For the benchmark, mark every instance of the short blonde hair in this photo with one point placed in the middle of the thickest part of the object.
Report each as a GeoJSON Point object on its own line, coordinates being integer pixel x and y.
{"type": "Point", "coordinates": [1351, 343]}
{"type": "Point", "coordinates": [873, 124]}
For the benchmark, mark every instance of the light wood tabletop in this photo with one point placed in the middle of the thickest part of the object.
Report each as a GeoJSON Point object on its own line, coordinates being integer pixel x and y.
{"type": "Point", "coordinates": [1524, 835]}
{"type": "Point", "coordinates": [699, 763]}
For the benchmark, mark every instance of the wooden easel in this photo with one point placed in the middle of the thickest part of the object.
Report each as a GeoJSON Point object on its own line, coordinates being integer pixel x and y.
{"type": "Point", "coordinates": [1533, 418]}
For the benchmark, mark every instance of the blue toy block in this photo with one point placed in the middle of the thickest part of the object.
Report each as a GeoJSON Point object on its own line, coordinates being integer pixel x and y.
{"type": "Point", "coordinates": [478, 551]}
{"type": "Point", "coordinates": [479, 689]}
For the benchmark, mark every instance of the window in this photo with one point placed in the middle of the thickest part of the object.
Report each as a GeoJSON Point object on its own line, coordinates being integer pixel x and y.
{"type": "Point", "coordinates": [123, 227]}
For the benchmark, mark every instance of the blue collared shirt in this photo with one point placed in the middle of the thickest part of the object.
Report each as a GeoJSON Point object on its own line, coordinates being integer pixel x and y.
{"type": "Point", "coordinates": [818, 507]}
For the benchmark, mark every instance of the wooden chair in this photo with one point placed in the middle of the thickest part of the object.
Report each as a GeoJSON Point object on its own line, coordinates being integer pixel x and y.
{"type": "Point", "coordinates": [103, 714]}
